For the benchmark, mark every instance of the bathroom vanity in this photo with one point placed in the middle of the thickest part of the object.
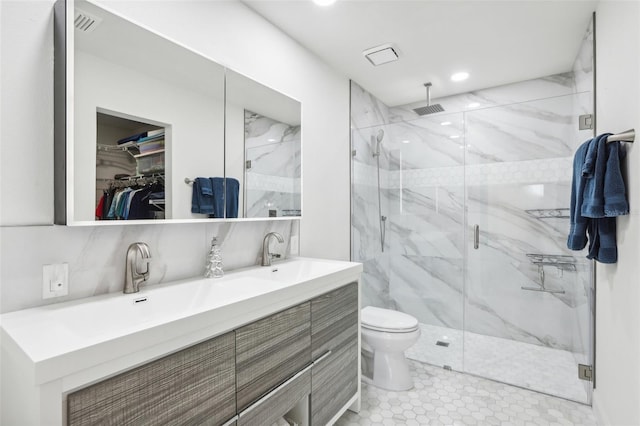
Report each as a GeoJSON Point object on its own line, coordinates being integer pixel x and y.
{"type": "Point", "coordinates": [249, 348]}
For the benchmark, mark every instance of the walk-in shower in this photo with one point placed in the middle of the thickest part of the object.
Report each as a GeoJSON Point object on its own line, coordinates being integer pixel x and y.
{"type": "Point", "coordinates": [476, 205]}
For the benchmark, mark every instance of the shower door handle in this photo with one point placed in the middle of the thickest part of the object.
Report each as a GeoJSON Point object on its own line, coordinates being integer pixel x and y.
{"type": "Point", "coordinates": [476, 236]}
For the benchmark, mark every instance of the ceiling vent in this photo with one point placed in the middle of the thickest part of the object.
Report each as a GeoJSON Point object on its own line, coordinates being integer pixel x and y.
{"type": "Point", "coordinates": [85, 22]}
{"type": "Point", "coordinates": [381, 54]}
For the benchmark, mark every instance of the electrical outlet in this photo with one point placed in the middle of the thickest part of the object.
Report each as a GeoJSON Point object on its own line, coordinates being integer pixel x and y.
{"type": "Point", "coordinates": [55, 280]}
{"type": "Point", "coordinates": [293, 245]}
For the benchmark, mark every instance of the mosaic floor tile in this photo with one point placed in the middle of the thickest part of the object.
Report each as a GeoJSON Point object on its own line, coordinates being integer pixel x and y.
{"type": "Point", "coordinates": [442, 397]}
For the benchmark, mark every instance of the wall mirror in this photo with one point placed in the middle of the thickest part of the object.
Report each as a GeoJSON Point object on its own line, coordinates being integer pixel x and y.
{"type": "Point", "coordinates": [144, 137]}
{"type": "Point", "coordinates": [263, 148]}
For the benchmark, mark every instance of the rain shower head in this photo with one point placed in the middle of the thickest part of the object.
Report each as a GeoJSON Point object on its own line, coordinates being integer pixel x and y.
{"type": "Point", "coordinates": [428, 109]}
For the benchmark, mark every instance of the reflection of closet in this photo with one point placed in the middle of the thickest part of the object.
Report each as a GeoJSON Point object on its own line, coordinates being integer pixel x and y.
{"type": "Point", "coordinates": [135, 164]}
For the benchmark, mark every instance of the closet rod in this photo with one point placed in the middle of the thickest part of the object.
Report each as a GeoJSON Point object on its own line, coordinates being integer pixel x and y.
{"type": "Point", "coordinates": [628, 136]}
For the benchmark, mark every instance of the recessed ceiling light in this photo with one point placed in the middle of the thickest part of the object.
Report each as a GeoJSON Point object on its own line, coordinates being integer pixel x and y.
{"type": "Point", "coordinates": [406, 141]}
{"type": "Point", "coordinates": [382, 54]}
{"type": "Point", "coordinates": [460, 76]}
{"type": "Point", "coordinates": [454, 136]}
{"type": "Point", "coordinates": [473, 105]}
{"type": "Point", "coordinates": [324, 2]}
{"type": "Point", "coordinates": [445, 123]}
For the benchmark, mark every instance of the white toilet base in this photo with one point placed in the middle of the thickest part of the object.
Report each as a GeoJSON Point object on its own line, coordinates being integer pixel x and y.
{"type": "Point", "coordinates": [391, 371]}
{"type": "Point", "coordinates": [390, 367]}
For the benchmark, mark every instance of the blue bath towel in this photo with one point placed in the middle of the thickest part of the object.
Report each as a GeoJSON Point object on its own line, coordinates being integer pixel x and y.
{"type": "Point", "coordinates": [578, 231]}
{"type": "Point", "coordinates": [597, 195]}
{"type": "Point", "coordinates": [202, 197]}
{"type": "Point", "coordinates": [615, 193]}
{"type": "Point", "coordinates": [225, 197]}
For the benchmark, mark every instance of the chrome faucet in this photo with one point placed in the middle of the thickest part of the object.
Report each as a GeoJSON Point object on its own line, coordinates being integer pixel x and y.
{"type": "Point", "coordinates": [137, 253]}
{"type": "Point", "coordinates": [266, 256]}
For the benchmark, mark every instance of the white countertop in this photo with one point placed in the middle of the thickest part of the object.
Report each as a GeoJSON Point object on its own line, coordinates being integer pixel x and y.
{"type": "Point", "coordinates": [118, 331]}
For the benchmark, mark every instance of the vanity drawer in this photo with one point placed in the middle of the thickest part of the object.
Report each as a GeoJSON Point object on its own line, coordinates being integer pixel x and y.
{"type": "Point", "coordinates": [334, 343]}
{"type": "Point", "coordinates": [335, 381]}
{"type": "Point", "coordinates": [195, 386]}
{"type": "Point", "coordinates": [270, 351]}
{"type": "Point", "coordinates": [334, 320]}
{"type": "Point", "coordinates": [278, 402]}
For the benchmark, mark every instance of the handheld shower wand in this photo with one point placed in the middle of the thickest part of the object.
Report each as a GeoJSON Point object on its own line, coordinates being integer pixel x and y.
{"type": "Point", "coordinates": [383, 219]}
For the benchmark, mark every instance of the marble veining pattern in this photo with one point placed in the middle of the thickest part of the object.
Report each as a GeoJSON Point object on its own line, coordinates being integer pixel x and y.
{"type": "Point", "coordinates": [485, 164]}
{"type": "Point", "coordinates": [442, 397]}
{"type": "Point", "coordinates": [273, 180]}
{"type": "Point", "coordinates": [96, 255]}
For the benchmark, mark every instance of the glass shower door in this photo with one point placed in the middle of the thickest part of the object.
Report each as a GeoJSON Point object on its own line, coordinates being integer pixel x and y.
{"type": "Point", "coordinates": [426, 232]}
{"type": "Point", "coordinates": [527, 297]}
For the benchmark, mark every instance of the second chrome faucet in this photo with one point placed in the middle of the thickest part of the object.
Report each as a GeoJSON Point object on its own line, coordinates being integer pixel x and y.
{"type": "Point", "coordinates": [267, 256]}
{"type": "Point", "coordinates": [137, 268]}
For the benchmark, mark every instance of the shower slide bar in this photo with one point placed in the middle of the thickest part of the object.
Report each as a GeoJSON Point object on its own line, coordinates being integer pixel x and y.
{"type": "Point", "coordinates": [627, 136]}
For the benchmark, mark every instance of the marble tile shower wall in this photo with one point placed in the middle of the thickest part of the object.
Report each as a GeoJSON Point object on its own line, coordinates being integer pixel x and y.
{"type": "Point", "coordinates": [422, 271]}
{"type": "Point", "coordinates": [96, 255]}
{"type": "Point", "coordinates": [273, 181]}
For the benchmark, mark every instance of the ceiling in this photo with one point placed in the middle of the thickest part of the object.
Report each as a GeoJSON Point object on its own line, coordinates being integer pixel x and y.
{"type": "Point", "coordinates": [497, 42]}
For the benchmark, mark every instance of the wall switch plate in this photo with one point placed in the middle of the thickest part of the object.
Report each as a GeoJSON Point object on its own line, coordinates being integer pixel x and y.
{"type": "Point", "coordinates": [293, 245]}
{"type": "Point", "coordinates": [55, 280]}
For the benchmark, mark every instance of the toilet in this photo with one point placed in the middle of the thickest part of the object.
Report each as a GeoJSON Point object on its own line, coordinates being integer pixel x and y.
{"type": "Point", "coordinates": [386, 334]}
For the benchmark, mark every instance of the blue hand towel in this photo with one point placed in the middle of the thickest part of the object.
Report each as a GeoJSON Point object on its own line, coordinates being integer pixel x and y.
{"type": "Point", "coordinates": [232, 190]}
{"type": "Point", "coordinates": [202, 197]}
{"type": "Point", "coordinates": [602, 240]}
{"type": "Point", "coordinates": [217, 184]}
{"type": "Point", "coordinates": [225, 197]}
{"type": "Point", "coordinates": [597, 195]}
{"type": "Point", "coordinates": [615, 194]}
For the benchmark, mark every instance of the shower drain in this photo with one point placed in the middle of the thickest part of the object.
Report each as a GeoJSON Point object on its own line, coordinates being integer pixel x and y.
{"type": "Point", "coordinates": [441, 343]}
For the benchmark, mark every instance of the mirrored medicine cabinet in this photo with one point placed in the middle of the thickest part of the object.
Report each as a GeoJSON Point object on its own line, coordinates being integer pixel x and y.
{"type": "Point", "coordinates": [148, 130]}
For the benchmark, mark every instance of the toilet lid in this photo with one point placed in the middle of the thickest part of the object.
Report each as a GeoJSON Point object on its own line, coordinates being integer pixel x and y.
{"type": "Point", "coordinates": [387, 320]}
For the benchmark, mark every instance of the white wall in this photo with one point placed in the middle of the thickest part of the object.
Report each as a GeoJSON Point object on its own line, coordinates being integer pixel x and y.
{"type": "Point", "coordinates": [26, 119]}
{"type": "Point", "coordinates": [617, 394]}
{"type": "Point", "coordinates": [224, 30]}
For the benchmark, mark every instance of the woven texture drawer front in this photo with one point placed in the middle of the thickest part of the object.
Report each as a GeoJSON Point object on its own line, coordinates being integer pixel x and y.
{"type": "Point", "coordinates": [334, 327]}
{"type": "Point", "coordinates": [193, 386]}
{"type": "Point", "coordinates": [270, 351]}
{"type": "Point", "coordinates": [278, 403]}
{"type": "Point", "coordinates": [335, 381]}
{"type": "Point", "coordinates": [334, 319]}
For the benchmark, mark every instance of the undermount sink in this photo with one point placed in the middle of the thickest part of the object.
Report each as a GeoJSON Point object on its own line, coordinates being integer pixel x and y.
{"type": "Point", "coordinates": [64, 338]}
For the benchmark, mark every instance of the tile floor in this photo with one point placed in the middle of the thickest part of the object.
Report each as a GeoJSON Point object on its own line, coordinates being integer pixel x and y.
{"type": "Point", "coordinates": [442, 397]}
{"type": "Point", "coordinates": [539, 368]}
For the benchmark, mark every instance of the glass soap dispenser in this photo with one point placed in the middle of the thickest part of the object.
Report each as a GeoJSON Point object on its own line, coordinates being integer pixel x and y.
{"type": "Point", "coordinates": [213, 268]}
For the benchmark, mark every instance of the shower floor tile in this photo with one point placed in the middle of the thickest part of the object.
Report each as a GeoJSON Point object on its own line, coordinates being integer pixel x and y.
{"type": "Point", "coordinates": [535, 367]}
{"type": "Point", "coordinates": [442, 397]}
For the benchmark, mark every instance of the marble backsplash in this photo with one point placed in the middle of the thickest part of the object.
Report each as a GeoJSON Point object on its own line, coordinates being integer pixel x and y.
{"type": "Point", "coordinates": [96, 255]}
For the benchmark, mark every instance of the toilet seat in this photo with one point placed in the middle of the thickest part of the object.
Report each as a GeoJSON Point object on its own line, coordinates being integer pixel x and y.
{"type": "Point", "coordinates": [386, 320]}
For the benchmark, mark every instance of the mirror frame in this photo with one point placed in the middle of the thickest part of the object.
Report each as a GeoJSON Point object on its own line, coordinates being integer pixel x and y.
{"type": "Point", "coordinates": [64, 121]}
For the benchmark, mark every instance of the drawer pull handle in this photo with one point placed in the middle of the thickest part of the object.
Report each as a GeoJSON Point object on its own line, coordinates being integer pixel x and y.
{"type": "Point", "coordinates": [275, 390]}
{"type": "Point", "coordinates": [321, 358]}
